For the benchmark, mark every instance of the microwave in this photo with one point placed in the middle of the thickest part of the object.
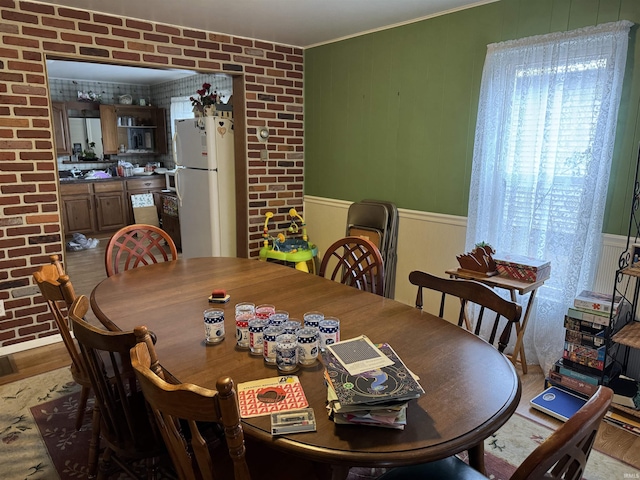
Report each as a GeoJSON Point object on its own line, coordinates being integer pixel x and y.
{"type": "Point", "coordinates": [170, 181]}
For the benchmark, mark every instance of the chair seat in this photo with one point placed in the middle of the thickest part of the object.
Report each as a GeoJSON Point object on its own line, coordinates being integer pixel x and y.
{"type": "Point", "coordinates": [446, 469]}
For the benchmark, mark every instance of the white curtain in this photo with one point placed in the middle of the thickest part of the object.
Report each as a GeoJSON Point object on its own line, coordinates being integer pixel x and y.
{"type": "Point", "coordinates": [544, 141]}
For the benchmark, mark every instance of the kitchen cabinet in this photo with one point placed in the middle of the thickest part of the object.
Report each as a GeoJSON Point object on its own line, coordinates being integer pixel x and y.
{"type": "Point", "coordinates": [105, 205]}
{"type": "Point", "coordinates": [139, 129]}
{"type": "Point", "coordinates": [78, 212]}
{"type": "Point", "coordinates": [61, 128]}
{"type": "Point", "coordinates": [153, 184]}
{"type": "Point", "coordinates": [111, 206]}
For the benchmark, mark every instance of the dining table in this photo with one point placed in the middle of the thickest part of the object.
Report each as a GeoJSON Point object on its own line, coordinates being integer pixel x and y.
{"type": "Point", "coordinates": [471, 389]}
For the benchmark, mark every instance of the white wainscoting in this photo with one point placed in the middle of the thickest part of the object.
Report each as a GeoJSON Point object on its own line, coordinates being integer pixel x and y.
{"type": "Point", "coordinates": [430, 242]}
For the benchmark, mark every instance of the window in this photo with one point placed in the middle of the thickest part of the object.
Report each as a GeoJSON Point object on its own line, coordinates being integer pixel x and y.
{"type": "Point", "coordinates": [544, 142]}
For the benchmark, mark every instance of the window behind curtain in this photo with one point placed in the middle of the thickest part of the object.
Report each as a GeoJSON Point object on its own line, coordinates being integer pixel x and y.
{"type": "Point", "coordinates": [544, 142]}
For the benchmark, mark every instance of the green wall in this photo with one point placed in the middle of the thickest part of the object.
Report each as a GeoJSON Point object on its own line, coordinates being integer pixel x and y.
{"type": "Point", "coordinates": [391, 115]}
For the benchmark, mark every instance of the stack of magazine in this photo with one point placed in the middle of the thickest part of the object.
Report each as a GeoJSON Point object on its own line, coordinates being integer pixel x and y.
{"type": "Point", "coordinates": [368, 384]}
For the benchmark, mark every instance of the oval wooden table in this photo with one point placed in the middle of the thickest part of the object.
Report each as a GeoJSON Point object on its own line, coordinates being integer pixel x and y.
{"type": "Point", "coordinates": [471, 388]}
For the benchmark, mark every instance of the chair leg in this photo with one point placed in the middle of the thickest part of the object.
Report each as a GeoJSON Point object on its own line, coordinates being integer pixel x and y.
{"type": "Point", "coordinates": [94, 443]}
{"type": "Point", "coordinates": [84, 395]}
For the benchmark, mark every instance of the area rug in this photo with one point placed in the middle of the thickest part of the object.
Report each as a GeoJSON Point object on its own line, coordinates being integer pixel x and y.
{"type": "Point", "coordinates": [39, 440]}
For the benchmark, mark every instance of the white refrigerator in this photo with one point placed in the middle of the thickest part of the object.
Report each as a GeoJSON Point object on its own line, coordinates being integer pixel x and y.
{"type": "Point", "coordinates": [205, 186]}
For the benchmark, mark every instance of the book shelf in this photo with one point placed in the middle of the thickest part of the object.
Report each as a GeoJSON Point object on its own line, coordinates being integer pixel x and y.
{"type": "Point", "coordinates": [622, 335]}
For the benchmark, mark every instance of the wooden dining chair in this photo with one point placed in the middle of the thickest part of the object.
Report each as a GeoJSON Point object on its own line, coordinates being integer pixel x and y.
{"type": "Point", "coordinates": [136, 246]}
{"type": "Point", "coordinates": [354, 261]}
{"type": "Point", "coordinates": [471, 292]}
{"type": "Point", "coordinates": [563, 455]}
{"type": "Point", "coordinates": [187, 411]}
{"type": "Point", "coordinates": [125, 425]}
{"type": "Point", "coordinates": [57, 290]}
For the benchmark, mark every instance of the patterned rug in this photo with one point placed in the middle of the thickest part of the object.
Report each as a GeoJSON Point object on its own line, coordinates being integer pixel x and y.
{"type": "Point", "coordinates": [39, 440]}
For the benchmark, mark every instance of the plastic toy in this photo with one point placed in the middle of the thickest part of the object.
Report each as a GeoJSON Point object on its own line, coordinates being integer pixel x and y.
{"type": "Point", "coordinates": [289, 250]}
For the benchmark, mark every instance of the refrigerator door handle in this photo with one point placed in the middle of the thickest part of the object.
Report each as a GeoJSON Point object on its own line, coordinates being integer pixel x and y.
{"type": "Point", "coordinates": [177, 181]}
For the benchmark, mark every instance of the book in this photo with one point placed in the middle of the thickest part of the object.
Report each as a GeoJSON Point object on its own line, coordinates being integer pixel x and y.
{"type": "Point", "coordinates": [585, 339]}
{"type": "Point", "coordinates": [390, 383]}
{"type": "Point", "coordinates": [623, 421]}
{"type": "Point", "coordinates": [583, 326]}
{"type": "Point", "coordinates": [563, 369]}
{"type": "Point", "coordinates": [596, 318]}
{"type": "Point", "coordinates": [270, 395]}
{"type": "Point", "coordinates": [570, 383]}
{"type": "Point", "coordinates": [626, 391]}
{"type": "Point", "coordinates": [558, 403]}
{"type": "Point", "coordinates": [597, 302]}
{"type": "Point", "coordinates": [583, 354]}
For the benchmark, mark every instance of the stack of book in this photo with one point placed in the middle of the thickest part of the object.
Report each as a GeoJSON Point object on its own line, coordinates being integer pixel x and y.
{"type": "Point", "coordinates": [583, 358]}
{"type": "Point", "coordinates": [584, 364]}
{"type": "Point", "coordinates": [377, 397]}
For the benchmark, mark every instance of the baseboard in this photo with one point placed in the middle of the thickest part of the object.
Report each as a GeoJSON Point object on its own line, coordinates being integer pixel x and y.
{"type": "Point", "coordinates": [28, 345]}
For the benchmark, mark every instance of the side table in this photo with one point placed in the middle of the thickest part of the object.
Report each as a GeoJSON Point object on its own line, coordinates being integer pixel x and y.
{"type": "Point", "coordinates": [514, 286]}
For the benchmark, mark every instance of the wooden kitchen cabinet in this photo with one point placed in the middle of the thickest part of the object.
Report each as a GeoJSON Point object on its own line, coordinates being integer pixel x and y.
{"type": "Point", "coordinates": [111, 206]}
{"type": "Point", "coordinates": [61, 128]}
{"type": "Point", "coordinates": [114, 133]}
{"type": "Point", "coordinates": [153, 184]}
{"type": "Point", "coordinates": [78, 211]}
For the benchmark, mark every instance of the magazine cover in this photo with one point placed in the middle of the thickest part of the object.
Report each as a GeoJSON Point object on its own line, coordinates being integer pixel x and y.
{"type": "Point", "coordinates": [389, 383]}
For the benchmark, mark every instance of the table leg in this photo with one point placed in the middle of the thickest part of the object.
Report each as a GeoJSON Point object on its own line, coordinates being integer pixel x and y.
{"type": "Point", "coordinates": [520, 329]}
{"type": "Point", "coordinates": [476, 458]}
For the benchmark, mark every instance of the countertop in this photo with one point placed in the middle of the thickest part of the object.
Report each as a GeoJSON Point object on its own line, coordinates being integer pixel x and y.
{"type": "Point", "coordinates": [110, 179]}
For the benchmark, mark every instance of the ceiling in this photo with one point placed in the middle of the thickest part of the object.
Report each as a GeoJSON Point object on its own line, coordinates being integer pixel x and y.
{"type": "Point", "coordinates": [300, 23]}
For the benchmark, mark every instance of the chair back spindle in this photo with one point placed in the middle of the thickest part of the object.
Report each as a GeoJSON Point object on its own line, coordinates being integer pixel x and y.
{"type": "Point", "coordinates": [136, 246]}
{"type": "Point", "coordinates": [354, 261]}
{"type": "Point", "coordinates": [470, 292]}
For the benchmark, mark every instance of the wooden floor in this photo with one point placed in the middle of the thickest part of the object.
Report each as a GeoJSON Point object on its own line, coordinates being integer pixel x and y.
{"type": "Point", "coordinates": [86, 269]}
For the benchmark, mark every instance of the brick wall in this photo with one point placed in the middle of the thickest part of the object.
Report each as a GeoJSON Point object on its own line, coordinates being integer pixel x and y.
{"type": "Point", "coordinates": [30, 222]}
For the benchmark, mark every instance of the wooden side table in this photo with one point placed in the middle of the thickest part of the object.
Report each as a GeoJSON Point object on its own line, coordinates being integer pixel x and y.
{"type": "Point", "coordinates": [514, 286]}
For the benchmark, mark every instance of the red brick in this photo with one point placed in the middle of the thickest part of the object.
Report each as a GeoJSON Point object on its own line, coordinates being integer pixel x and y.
{"type": "Point", "coordinates": [37, 8]}
{"type": "Point", "coordinates": [194, 34]}
{"type": "Point", "coordinates": [23, 252]}
{"type": "Point", "coordinates": [36, 56]}
{"type": "Point", "coordinates": [58, 23]}
{"type": "Point", "coordinates": [39, 32]}
{"type": "Point", "coordinates": [194, 53]}
{"type": "Point", "coordinates": [100, 18]}
{"type": "Point", "coordinates": [13, 100]}
{"type": "Point", "coordinates": [57, 47]}
{"type": "Point", "coordinates": [133, 57]}
{"type": "Point", "coordinates": [121, 32]}
{"type": "Point", "coordinates": [36, 156]}
{"type": "Point", "coordinates": [19, 17]}
{"type": "Point", "coordinates": [109, 42]}
{"type": "Point", "coordinates": [9, 53]}
{"type": "Point", "coordinates": [70, 13]}
{"type": "Point", "coordinates": [138, 25]}
{"type": "Point", "coordinates": [94, 52]}
{"type": "Point", "coordinates": [39, 102]}
{"type": "Point", "coordinates": [22, 42]}
{"type": "Point", "coordinates": [20, 188]}
{"type": "Point", "coordinates": [32, 78]}
{"type": "Point", "coordinates": [169, 30]}
{"type": "Point", "coordinates": [169, 50]}
{"type": "Point", "coordinates": [154, 37]}
{"type": "Point", "coordinates": [155, 59]}
{"type": "Point", "coordinates": [75, 38]}
{"type": "Point", "coordinates": [31, 112]}
{"type": "Point", "coordinates": [183, 62]}
{"type": "Point", "coordinates": [93, 28]}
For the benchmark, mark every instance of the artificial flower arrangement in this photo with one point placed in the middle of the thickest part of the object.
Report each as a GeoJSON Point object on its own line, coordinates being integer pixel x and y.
{"type": "Point", "coordinates": [206, 98]}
